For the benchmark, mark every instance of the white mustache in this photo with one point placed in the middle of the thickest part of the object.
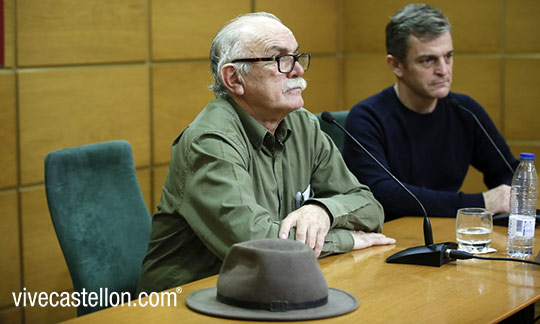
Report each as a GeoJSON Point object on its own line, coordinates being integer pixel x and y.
{"type": "Point", "coordinates": [297, 82]}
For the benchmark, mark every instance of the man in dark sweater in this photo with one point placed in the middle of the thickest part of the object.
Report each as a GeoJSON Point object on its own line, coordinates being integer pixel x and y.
{"type": "Point", "coordinates": [418, 131]}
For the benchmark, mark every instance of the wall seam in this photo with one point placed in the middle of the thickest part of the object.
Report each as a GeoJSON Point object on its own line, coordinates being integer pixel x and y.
{"type": "Point", "coordinates": [149, 61]}
{"type": "Point", "coordinates": [502, 67]}
{"type": "Point", "coordinates": [340, 65]}
{"type": "Point", "coordinates": [18, 150]}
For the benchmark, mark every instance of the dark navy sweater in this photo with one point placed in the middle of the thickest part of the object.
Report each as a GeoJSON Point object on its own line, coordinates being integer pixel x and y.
{"type": "Point", "coordinates": [429, 153]}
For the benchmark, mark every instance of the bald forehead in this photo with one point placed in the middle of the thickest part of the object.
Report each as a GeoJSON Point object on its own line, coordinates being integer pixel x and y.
{"type": "Point", "coordinates": [267, 35]}
{"type": "Point", "coordinates": [256, 21]}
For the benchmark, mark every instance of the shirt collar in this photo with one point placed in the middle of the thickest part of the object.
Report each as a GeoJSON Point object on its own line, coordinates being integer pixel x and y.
{"type": "Point", "coordinates": [257, 132]}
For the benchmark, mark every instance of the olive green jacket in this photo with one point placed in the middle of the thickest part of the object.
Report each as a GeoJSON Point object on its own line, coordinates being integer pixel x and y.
{"type": "Point", "coordinates": [230, 180]}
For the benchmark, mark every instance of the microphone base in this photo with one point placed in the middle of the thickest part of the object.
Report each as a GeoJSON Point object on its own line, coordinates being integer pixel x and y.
{"type": "Point", "coordinates": [430, 255]}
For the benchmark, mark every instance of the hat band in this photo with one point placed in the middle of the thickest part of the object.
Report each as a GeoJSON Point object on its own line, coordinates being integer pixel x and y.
{"type": "Point", "coordinates": [274, 306]}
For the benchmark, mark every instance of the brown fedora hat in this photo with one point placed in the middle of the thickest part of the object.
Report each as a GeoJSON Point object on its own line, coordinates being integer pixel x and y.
{"type": "Point", "coordinates": [272, 280]}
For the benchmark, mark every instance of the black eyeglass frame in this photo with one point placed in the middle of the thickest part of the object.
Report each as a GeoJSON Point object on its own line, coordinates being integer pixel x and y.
{"type": "Point", "coordinates": [277, 58]}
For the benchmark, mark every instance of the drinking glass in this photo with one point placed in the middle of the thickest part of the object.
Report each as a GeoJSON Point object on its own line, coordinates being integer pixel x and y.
{"type": "Point", "coordinates": [474, 229]}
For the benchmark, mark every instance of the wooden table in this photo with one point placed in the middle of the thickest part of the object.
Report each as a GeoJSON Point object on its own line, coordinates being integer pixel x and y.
{"type": "Point", "coordinates": [464, 291]}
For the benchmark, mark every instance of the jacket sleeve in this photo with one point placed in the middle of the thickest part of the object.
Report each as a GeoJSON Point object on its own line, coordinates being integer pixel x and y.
{"type": "Point", "coordinates": [351, 204]}
{"type": "Point", "coordinates": [218, 165]}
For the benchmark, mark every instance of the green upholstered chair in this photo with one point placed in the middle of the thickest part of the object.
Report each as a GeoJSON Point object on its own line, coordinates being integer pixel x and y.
{"type": "Point", "coordinates": [335, 133]}
{"type": "Point", "coordinates": [99, 215]}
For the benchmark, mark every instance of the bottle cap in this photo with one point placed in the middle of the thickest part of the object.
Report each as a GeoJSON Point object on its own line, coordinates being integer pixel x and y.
{"type": "Point", "coordinates": [526, 156]}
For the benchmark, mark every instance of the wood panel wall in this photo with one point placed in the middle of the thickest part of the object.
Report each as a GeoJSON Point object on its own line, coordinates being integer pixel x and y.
{"type": "Point", "coordinates": [79, 72]}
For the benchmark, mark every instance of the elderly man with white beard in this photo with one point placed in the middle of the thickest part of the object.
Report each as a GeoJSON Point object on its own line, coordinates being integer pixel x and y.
{"type": "Point", "coordinates": [255, 164]}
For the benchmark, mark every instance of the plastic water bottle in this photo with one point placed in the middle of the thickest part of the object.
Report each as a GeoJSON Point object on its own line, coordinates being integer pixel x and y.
{"type": "Point", "coordinates": [523, 197]}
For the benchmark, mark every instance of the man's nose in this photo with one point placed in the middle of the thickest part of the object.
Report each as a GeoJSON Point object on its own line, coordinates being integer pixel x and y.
{"type": "Point", "coordinates": [297, 70]}
{"type": "Point", "coordinates": [442, 67]}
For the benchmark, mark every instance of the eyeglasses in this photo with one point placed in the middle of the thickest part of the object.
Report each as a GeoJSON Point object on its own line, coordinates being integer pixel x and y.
{"type": "Point", "coordinates": [285, 62]}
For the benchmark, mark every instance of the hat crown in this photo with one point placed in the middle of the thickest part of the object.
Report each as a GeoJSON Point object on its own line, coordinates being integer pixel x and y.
{"type": "Point", "coordinates": [273, 274]}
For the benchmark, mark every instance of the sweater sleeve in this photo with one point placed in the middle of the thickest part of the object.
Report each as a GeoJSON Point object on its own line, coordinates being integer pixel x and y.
{"type": "Point", "coordinates": [367, 128]}
{"type": "Point", "coordinates": [485, 158]}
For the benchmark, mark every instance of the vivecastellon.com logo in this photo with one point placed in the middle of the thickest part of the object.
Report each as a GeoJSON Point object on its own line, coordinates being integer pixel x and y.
{"type": "Point", "coordinates": [101, 298]}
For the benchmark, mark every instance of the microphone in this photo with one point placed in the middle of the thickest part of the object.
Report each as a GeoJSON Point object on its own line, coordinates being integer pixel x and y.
{"type": "Point", "coordinates": [429, 254]}
{"type": "Point", "coordinates": [455, 103]}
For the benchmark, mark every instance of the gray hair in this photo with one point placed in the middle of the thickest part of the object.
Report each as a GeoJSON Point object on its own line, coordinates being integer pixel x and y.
{"type": "Point", "coordinates": [231, 42]}
{"type": "Point", "coordinates": [420, 20]}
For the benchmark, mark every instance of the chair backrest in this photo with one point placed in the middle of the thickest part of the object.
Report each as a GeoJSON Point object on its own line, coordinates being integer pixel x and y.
{"type": "Point", "coordinates": [99, 216]}
{"type": "Point", "coordinates": [335, 133]}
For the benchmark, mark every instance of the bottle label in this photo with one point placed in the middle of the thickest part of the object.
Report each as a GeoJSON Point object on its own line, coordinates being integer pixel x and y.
{"type": "Point", "coordinates": [521, 226]}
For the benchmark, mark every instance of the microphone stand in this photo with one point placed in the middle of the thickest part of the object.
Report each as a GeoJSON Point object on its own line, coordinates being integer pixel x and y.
{"type": "Point", "coordinates": [429, 254]}
{"type": "Point", "coordinates": [454, 102]}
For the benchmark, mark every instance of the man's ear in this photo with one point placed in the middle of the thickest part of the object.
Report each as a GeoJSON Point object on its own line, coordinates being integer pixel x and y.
{"type": "Point", "coordinates": [395, 65]}
{"type": "Point", "coordinates": [232, 79]}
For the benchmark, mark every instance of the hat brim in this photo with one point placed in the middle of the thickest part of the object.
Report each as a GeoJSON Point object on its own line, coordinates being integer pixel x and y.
{"type": "Point", "coordinates": [204, 301]}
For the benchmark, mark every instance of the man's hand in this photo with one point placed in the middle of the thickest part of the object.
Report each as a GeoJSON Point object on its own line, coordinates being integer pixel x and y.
{"type": "Point", "coordinates": [364, 240]}
{"type": "Point", "coordinates": [312, 223]}
{"type": "Point", "coordinates": [497, 200]}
